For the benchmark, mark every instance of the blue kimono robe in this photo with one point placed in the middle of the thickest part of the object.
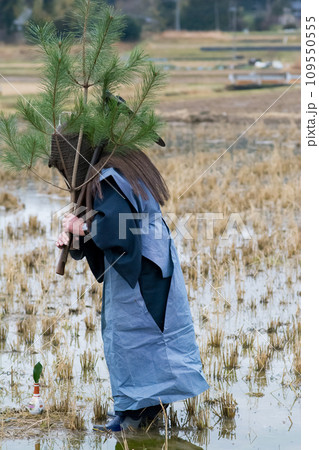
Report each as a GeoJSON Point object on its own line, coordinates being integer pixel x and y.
{"type": "Point", "coordinates": [147, 328]}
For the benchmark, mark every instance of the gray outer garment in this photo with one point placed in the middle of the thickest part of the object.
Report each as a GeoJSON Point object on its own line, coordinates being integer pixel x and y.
{"type": "Point", "coordinates": [146, 365]}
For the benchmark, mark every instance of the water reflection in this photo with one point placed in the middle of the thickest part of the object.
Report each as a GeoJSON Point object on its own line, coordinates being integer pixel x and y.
{"type": "Point", "coordinates": [155, 441]}
{"type": "Point", "coordinates": [227, 429]}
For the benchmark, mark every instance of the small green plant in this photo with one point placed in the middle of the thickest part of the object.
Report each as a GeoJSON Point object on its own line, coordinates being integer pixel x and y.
{"type": "Point", "coordinates": [37, 370]}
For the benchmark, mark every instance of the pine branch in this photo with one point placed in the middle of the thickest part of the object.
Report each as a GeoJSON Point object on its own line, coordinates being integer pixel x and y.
{"type": "Point", "coordinates": [41, 36]}
{"type": "Point", "coordinates": [30, 112]}
{"type": "Point", "coordinates": [86, 16]}
{"type": "Point", "coordinates": [98, 51]}
{"type": "Point", "coordinates": [117, 72]}
{"type": "Point", "coordinates": [21, 150]}
{"type": "Point", "coordinates": [9, 134]}
{"type": "Point", "coordinates": [102, 34]}
{"type": "Point", "coordinates": [153, 81]}
{"type": "Point", "coordinates": [57, 85]}
{"type": "Point", "coordinates": [144, 131]}
{"type": "Point", "coordinates": [77, 117]}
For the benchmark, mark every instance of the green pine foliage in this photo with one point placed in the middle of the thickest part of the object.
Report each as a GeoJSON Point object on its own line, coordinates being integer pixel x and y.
{"type": "Point", "coordinates": [20, 150]}
{"type": "Point", "coordinates": [80, 70]}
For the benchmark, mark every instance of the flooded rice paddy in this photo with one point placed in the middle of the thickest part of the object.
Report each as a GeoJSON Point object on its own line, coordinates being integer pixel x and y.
{"type": "Point", "coordinates": [242, 272]}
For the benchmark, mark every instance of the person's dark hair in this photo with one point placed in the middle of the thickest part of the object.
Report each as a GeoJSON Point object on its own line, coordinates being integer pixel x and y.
{"type": "Point", "coordinates": [136, 167]}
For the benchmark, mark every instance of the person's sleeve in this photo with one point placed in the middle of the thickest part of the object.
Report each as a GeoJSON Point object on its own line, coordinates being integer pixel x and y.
{"type": "Point", "coordinates": [93, 255]}
{"type": "Point", "coordinates": [115, 231]}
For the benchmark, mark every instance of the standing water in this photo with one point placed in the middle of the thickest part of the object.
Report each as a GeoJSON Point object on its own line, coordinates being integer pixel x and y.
{"type": "Point", "coordinates": [244, 296]}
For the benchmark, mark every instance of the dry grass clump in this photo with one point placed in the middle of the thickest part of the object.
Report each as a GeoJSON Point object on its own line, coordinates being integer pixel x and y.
{"type": "Point", "coordinates": [90, 322]}
{"type": "Point", "coordinates": [100, 408]}
{"type": "Point", "coordinates": [30, 308]}
{"type": "Point", "coordinates": [216, 338]}
{"type": "Point", "coordinates": [61, 405]}
{"type": "Point", "coordinates": [36, 258]}
{"type": "Point", "coordinates": [296, 347]}
{"type": "Point", "coordinates": [296, 364]}
{"type": "Point", "coordinates": [15, 346]}
{"type": "Point", "coordinates": [11, 278]}
{"type": "Point", "coordinates": [11, 232]}
{"type": "Point", "coordinates": [173, 417]}
{"type": "Point", "coordinates": [197, 414]}
{"type": "Point", "coordinates": [17, 422]}
{"type": "Point", "coordinates": [296, 329]}
{"type": "Point", "coordinates": [253, 305]}
{"type": "Point", "coordinates": [64, 367]}
{"type": "Point", "coordinates": [56, 340]}
{"type": "Point", "coordinates": [230, 356]}
{"type": "Point", "coordinates": [27, 329]}
{"type": "Point", "coordinates": [9, 175]}
{"type": "Point", "coordinates": [277, 342]}
{"type": "Point", "coordinates": [273, 325]}
{"type": "Point", "coordinates": [88, 361]}
{"type": "Point", "coordinates": [61, 397]}
{"type": "Point", "coordinates": [262, 358]}
{"type": "Point", "coordinates": [81, 290]}
{"type": "Point", "coordinates": [96, 290]}
{"type": "Point", "coordinates": [5, 307]}
{"type": "Point", "coordinates": [247, 340]}
{"type": "Point", "coordinates": [48, 325]}
{"type": "Point", "coordinates": [240, 294]}
{"type": "Point", "coordinates": [9, 201]}
{"type": "Point", "coordinates": [4, 329]}
{"type": "Point", "coordinates": [292, 333]}
{"type": "Point", "coordinates": [22, 283]}
{"type": "Point", "coordinates": [218, 369]}
{"type": "Point", "coordinates": [23, 230]}
{"type": "Point", "coordinates": [75, 331]}
{"type": "Point", "coordinates": [98, 307]}
{"type": "Point", "coordinates": [75, 420]}
{"type": "Point", "coordinates": [227, 406]}
{"type": "Point", "coordinates": [34, 226]}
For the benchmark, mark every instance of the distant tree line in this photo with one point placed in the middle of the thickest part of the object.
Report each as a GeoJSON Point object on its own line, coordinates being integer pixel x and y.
{"type": "Point", "coordinates": [52, 10]}
{"type": "Point", "coordinates": [158, 15]}
{"type": "Point", "coordinates": [221, 14]}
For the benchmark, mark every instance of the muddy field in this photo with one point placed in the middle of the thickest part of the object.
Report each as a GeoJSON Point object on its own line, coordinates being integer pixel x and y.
{"type": "Point", "coordinates": [225, 156]}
